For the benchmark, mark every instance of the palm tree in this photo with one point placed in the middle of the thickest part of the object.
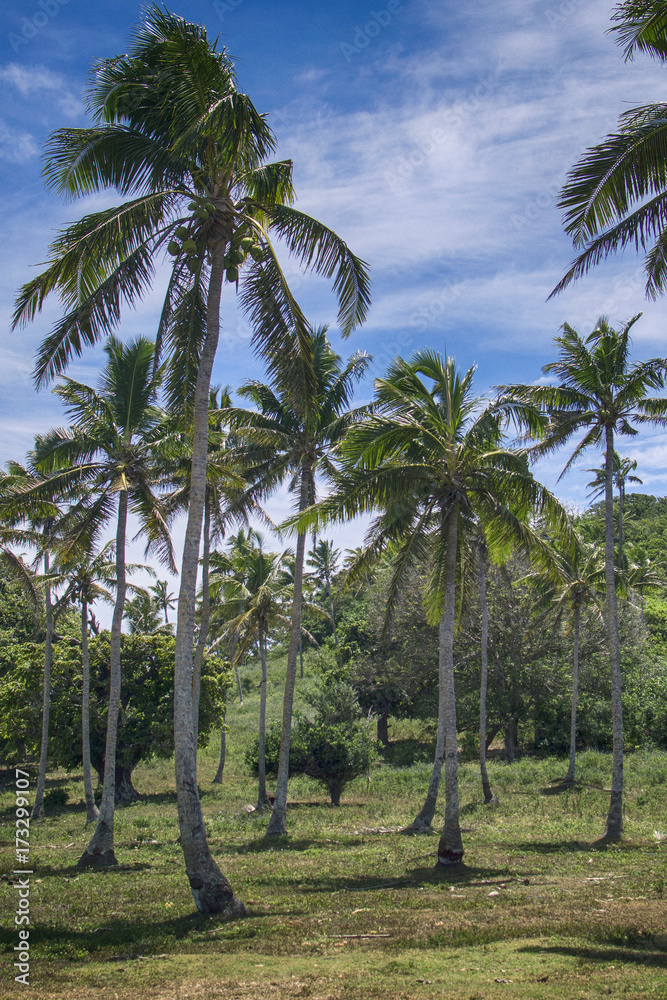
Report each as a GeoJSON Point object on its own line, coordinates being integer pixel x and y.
{"type": "Point", "coordinates": [164, 600]}
{"type": "Point", "coordinates": [227, 500]}
{"type": "Point", "coordinates": [429, 458]}
{"type": "Point", "coordinates": [172, 129]}
{"type": "Point", "coordinates": [302, 415]}
{"type": "Point", "coordinates": [615, 195]}
{"type": "Point", "coordinates": [106, 454]}
{"type": "Point", "coordinates": [580, 581]}
{"type": "Point", "coordinates": [261, 601]}
{"type": "Point", "coordinates": [323, 558]}
{"type": "Point", "coordinates": [32, 521]}
{"type": "Point", "coordinates": [601, 393]}
{"type": "Point", "coordinates": [623, 467]}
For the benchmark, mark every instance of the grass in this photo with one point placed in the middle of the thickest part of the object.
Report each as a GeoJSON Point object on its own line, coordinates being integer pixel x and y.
{"type": "Point", "coordinates": [347, 906]}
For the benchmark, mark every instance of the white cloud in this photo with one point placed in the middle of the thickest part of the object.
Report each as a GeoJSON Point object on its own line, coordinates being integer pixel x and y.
{"type": "Point", "coordinates": [16, 146]}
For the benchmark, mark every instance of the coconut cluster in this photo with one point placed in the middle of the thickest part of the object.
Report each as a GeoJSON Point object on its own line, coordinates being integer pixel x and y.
{"type": "Point", "coordinates": [183, 242]}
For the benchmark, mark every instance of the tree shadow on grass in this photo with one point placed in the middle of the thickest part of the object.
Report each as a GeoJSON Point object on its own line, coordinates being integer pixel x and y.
{"type": "Point", "coordinates": [433, 875]}
{"type": "Point", "coordinates": [574, 846]}
{"type": "Point", "coordinates": [653, 954]}
{"type": "Point", "coordinates": [116, 938]}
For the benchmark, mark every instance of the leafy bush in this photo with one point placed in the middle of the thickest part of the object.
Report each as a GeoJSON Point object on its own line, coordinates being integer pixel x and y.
{"type": "Point", "coordinates": [333, 749]}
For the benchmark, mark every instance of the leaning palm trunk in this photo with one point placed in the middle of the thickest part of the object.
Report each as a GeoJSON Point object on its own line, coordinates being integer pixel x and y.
{"type": "Point", "coordinates": [92, 812]}
{"type": "Point", "coordinates": [614, 828]}
{"type": "Point", "coordinates": [489, 797]}
{"type": "Point", "coordinates": [38, 808]}
{"type": "Point", "coordinates": [211, 891]}
{"type": "Point", "coordinates": [203, 624]}
{"type": "Point", "coordinates": [100, 850]}
{"type": "Point", "coordinates": [223, 750]}
{"type": "Point", "coordinates": [262, 798]}
{"type": "Point", "coordinates": [278, 824]}
{"type": "Point", "coordinates": [422, 821]}
{"type": "Point", "coordinates": [450, 847]}
{"type": "Point", "coordinates": [569, 777]}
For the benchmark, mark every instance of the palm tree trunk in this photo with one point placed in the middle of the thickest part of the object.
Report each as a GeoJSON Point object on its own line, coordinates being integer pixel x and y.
{"type": "Point", "coordinates": [211, 891]}
{"type": "Point", "coordinates": [262, 797]}
{"type": "Point", "coordinates": [100, 850]}
{"type": "Point", "coordinates": [38, 808]}
{"type": "Point", "coordinates": [205, 618]}
{"type": "Point", "coordinates": [223, 750]}
{"type": "Point", "coordinates": [614, 829]}
{"type": "Point", "coordinates": [331, 605]}
{"type": "Point", "coordinates": [277, 824]}
{"type": "Point", "coordinates": [92, 812]}
{"type": "Point", "coordinates": [621, 504]}
{"type": "Point", "coordinates": [422, 821]}
{"type": "Point", "coordinates": [450, 847]}
{"type": "Point", "coordinates": [569, 777]}
{"type": "Point", "coordinates": [489, 797]}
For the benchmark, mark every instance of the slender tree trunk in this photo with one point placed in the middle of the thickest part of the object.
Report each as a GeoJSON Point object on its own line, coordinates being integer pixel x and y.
{"type": "Point", "coordinates": [205, 618]}
{"type": "Point", "coordinates": [262, 797]}
{"type": "Point", "coordinates": [383, 728]}
{"type": "Point", "coordinates": [238, 683]}
{"type": "Point", "coordinates": [614, 829]}
{"type": "Point", "coordinates": [223, 750]}
{"type": "Point", "coordinates": [38, 808]}
{"type": "Point", "coordinates": [424, 818]}
{"type": "Point", "coordinates": [489, 797]}
{"type": "Point", "coordinates": [100, 850]}
{"type": "Point", "coordinates": [92, 812]}
{"type": "Point", "coordinates": [331, 605]}
{"type": "Point", "coordinates": [211, 891]}
{"type": "Point", "coordinates": [278, 824]}
{"type": "Point", "coordinates": [450, 847]}
{"type": "Point", "coordinates": [569, 777]}
{"type": "Point", "coordinates": [301, 657]}
{"type": "Point", "coordinates": [621, 504]}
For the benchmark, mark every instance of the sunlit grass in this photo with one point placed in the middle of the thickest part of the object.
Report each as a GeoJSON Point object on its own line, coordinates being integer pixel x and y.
{"type": "Point", "coordinates": [538, 901]}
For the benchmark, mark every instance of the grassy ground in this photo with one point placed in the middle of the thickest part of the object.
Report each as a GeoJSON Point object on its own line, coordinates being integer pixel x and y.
{"type": "Point", "coordinates": [347, 906]}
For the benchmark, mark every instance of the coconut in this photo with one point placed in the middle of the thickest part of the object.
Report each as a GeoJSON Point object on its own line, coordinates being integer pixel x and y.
{"type": "Point", "coordinates": [246, 243]}
{"type": "Point", "coordinates": [257, 253]}
{"type": "Point", "coordinates": [190, 247]}
{"type": "Point", "coordinates": [174, 248]}
{"type": "Point", "coordinates": [232, 274]}
{"type": "Point", "coordinates": [193, 205]}
{"type": "Point", "coordinates": [236, 257]}
{"type": "Point", "coordinates": [182, 232]}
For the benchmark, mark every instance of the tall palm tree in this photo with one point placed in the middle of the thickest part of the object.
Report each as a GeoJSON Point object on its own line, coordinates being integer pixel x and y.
{"type": "Point", "coordinates": [302, 414]}
{"type": "Point", "coordinates": [106, 454]}
{"type": "Point", "coordinates": [615, 196]}
{"type": "Point", "coordinates": [172, 130]}
{"type": "Point", "coordinates": [31, 520]}
{"type": "Point", "coordinates": [262, 601]}
{"type": "Point", "coordinates": [580, 582]}
{"type": "Point", "coordinates": [323, 559]}
{"type": "Point", "coordinates": [602, 394]}
{"type": "Point", "coordinates": [623, 467]}
{"type": "Point", "coordinates": [430, 459]}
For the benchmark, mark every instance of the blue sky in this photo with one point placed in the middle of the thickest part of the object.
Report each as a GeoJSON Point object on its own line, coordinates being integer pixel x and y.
{"type": "Point", "coordinates": [432, 135]}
